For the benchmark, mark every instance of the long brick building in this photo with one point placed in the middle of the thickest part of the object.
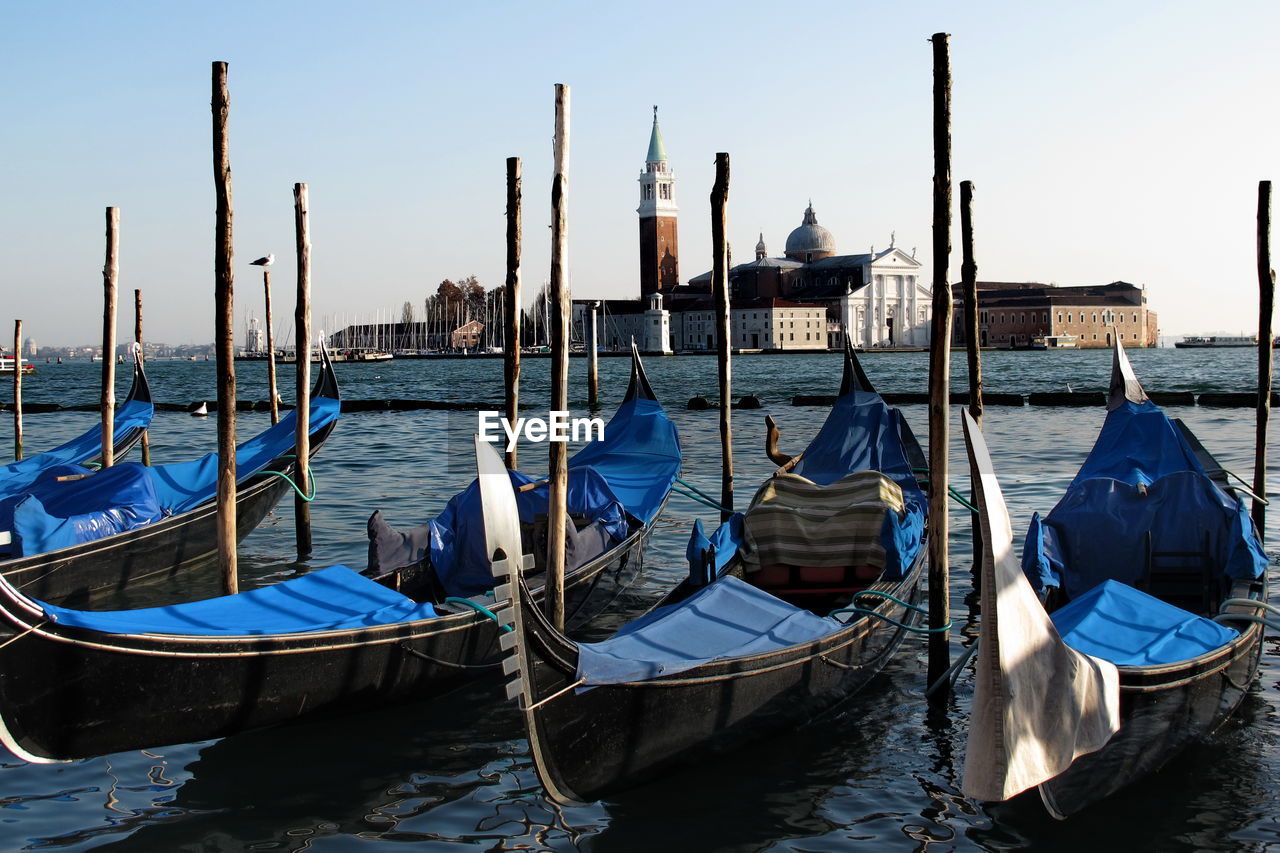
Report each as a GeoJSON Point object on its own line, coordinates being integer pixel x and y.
{"type": "Point", "coordinates": [1023, 314]}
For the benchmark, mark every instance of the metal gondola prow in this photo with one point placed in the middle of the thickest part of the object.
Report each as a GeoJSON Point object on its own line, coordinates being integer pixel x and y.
{"type": "Point", "coordinates": [140, 390]}
{"type": "Point", "coordinates": [854, 379]}
{"type": "Point", "coordinates": [639, 386]}
{"type": "Point", "coordinates": [1125, 386]}
{"type": "Point", "coordinates": [327, 382]}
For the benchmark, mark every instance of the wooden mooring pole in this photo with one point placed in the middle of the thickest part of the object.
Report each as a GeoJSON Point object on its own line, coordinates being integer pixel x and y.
{"type": "Point", "coordinates": [17, 390]}
{"type": "Point", "coordinates": [271, 348]}
{"type": "Point", "coordinates": [511, 302]}
{"type": "Point", "coordinates": [224, 331]}
{"type": "Point", "coordinates": [302, 410]}
{"type": "Point", "coordinates": [110, 276]}
{"type": "Point", "coordinates": [558, 470]}
{"type": "Point", "coordinates": [593, 361]}
{"type": "Point", "coordinates": [141, 356]}
{"type": "Point", "coordinates": [724, 343]}
{"type": "Point", "coordinates": [940, 367]}
{"type": "Point", "coordinates": [973, 342]}
{"type": "Point", "coordinates": [1266, 305]}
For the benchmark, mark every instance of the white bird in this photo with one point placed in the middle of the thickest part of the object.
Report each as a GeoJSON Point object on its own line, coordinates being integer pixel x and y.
{"type": "Point", "coordinates": [265, 261]}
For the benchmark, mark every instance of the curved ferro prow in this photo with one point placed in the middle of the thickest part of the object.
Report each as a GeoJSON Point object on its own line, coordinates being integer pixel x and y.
{"type": "Point", "coordinates": [854, 379]}
{"type": "Point", "coordinates": [782, 460]}
{"type": "Point", "coordinates": [327, 382]}
{"type": "Point", "coordinates": [639, 386]}
{"type": "Point", "coordinates": [1125, 386]}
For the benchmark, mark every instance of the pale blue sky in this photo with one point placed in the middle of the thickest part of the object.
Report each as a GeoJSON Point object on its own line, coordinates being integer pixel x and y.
{"type": "Point", "coordinates": [1107, 141]}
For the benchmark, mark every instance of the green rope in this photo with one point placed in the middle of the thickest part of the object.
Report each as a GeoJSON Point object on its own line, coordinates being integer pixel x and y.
{"type": "Point", "coordinates": [479, 608]}
{"type": "Point", "coordinates": [704, 501]}
{"type": "Point", "coordinates": [955, 496]}
{"type": "Point", "coordinates": [298, 491]}
{"type": "Point", "coordinates": [912, 628]}
{"type": "Point", "coordinates": [892, 598]}
{"type": "Point", "coordinates": [691, 487]}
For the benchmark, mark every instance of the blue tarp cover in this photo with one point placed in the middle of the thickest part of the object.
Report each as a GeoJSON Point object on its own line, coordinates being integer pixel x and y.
{"type": "Point", "coordinates": [1128, 627]}
{"type": "Point", "coordinates": [1140, 476]}
{"type": "Point", "coordinates": [630, 472]}
{"type": "Point", "coordinates": [861, 432]}
{"type": "Point", "coordinates": [16, 477]}
{"type": "Point", "coordinates": [326, 600]}
{"type": "Point", "coordinates": [728, 537]}
{"type": "Point", "coordinates": [729, 618]}
{"type": "Point", "coordinates": [457, 534]}
{"type": "Point", "coordinates": [49, 515]}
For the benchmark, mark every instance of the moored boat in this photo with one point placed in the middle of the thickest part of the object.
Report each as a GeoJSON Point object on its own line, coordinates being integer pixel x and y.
{"type": "Point", "coordinates": [80, 683]}
{"type": "Point", "coordinates": [88, 532]}
{"type": "Point", "coordinates": [1131, 627]}
{"type": "Point", "coordinates": [722, 659]}
{"type": "Point", "coordinates": [1216, 341]}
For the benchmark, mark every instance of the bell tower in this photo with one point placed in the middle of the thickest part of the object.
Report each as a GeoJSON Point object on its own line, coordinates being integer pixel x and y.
{"type": "Point", "coordinates": [659, 250]}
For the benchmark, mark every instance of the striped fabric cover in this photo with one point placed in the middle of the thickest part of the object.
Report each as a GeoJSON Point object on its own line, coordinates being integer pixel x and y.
{"type": "Point", "coordinates": [795, 521]}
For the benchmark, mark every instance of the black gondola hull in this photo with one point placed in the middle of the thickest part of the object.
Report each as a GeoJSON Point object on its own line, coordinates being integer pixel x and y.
{"type": "Point", "coordinates": [71, 576]}
{"type": "Point", "coordinates": [592, 743]}
{"type": "Point", "coordinates": [1159, 717]}
{"type": "Point", "coordinates": [120, 692]}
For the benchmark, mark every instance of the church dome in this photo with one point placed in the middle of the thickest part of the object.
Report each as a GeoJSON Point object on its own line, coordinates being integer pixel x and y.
{"type": "Point", "coordinates": [810, 241]}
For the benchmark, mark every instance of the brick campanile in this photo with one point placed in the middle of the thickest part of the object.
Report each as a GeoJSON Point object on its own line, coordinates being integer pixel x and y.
{"type": "Point", "coordinates": [659, 249]}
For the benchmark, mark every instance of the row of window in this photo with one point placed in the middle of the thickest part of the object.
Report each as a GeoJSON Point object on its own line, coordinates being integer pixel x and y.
{"type": "Point", "coordinates": [1021, 317]}
{"type": "Point", "coordinates": [646, 191]}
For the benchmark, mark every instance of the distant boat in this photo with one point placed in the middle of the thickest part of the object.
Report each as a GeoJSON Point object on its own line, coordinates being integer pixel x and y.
{"type": "Point", "coordinates": [6, 365]}
{"type": "Point", "coordinates": [1195, 342]}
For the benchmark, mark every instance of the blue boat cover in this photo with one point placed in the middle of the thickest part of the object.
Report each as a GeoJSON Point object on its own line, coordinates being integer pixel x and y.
{"type": "Point", "coordinates": [331, 599]}
{"type": "Point", "coordinates": [16, 477]}
{"type": "Point", "coordinates": [728, 537]}
{"type": "Point", "coordinates": [1140, 476]}
{"type": "Point", "coordinates": [861, 432]}
{"type": "Point", "coordinates": [49, 515]}
{"type": "Point", "coordinates": [457, 534]}
{"type": "Point", "coordinates": [1128, 627]}
{"type": "Point", "coordinates": [628, 472]}
{"type": "Point", "coordinates": [729, 618]}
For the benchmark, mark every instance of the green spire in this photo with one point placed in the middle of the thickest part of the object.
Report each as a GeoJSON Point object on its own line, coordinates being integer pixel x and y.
{"type": "Point", "coordinates": [657, 154]}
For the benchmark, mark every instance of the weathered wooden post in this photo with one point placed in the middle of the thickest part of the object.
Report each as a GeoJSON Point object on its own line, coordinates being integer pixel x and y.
{"type": "Point", "coordinates": [224, 340]}
{"type": "Point", "coordinates": [302, 410]}
{"type": "Point", "coordinates": [593, 361]}
{"type": "Point", "coordinates": [110, 276]}
{"type": "Point", "coordinates": [940, 366]}
{"type": "Point", "coordinates": [558, 451]}
{"type": "Point", "coordinates": [137, 339]}
{"type": "Point", "coordinates": [17, 390]}
{"type": "Point", "coordinates": [271, 347]}
{"type": "Point", "coordinates": [1266, 304]}
{"type": "Point", "coordinates": [724, 344]}
{"type": "Point", "coordinates": [511, 299]}
{"type": "Point", "coordinates": [969, 277]}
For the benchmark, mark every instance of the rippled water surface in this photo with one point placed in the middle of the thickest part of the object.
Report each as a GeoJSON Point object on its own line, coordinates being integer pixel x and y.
{"type": "Point", "coordinates": [884, 773]}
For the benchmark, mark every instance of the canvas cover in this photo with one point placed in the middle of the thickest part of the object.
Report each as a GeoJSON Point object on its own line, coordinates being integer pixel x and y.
{"type": "Point", "coordinates": [628, 473]}
{"type": "Point", "coordinates": [857, 520]}
{"type": "Point", "coordinates": [729, 618]}
{"type": "Point", "coordinates": [1038, 704]}
{"type": "Point", "coordinates": [1141, 475]}
{"type": "Point", "coordinates": [326, 600]}
{"type": "Point", "coordinates": [722, 545]}
{"type": "Point", "coordinates": [1128, 627]}
{"type": "Point", "coordinates": [16, 477]}
{"type": "Point", "coordinates": [50, 515]}
{"type": "Point", "coordinates": [860, 433]}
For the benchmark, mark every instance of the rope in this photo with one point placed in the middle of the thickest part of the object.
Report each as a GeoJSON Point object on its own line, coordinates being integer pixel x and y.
{"type": "Point", "coordinates": [451, 664]}
{"type": "Point", "coordinates": [696, 499]}
{"type": "Point", "coordinates": [1248, 488]}
{"type": "Point", "coordinates": [691, 487]}
{"type": "Point", "coordinates": [892, 598]}
{"type": "Point", "coordinates": [952, 675]}
{"type": "Point", "coordinates": [951, 490]}
{"type": "Point", "coordinates": [297, 491]}
{"type": "Point", "coordinates": [1249, 602]}
{"type": "Point", "coordinates": [912, 628]}
{"type": "Point", "coordinates": [479, 608]}
{"type": "Point", "coordinates": [1273, 624]}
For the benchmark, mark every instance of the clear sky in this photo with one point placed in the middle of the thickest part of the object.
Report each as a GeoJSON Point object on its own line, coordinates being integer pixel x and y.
{"type": "Point", "coordinates": [1106, 141]}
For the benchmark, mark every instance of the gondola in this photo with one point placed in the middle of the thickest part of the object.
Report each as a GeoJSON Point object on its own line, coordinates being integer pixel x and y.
{"type": "Point", "coordinates": [1132, 626]}
{"type": "Point", "coordinates": [132, 417]}
{"type": "Point", "coordinates": [722, 659]}
{"type": "Point", "coordinates": [81, 683]}
{"type": "Point", "coordinates": [131, 523]}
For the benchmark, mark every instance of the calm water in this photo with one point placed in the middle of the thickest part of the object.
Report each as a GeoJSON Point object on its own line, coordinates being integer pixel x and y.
{"type": "Point", "coordinates": [884, 773]}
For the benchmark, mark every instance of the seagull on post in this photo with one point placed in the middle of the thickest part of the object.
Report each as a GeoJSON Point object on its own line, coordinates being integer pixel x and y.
{"type": "Point", "coordinates": [264, 261]}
